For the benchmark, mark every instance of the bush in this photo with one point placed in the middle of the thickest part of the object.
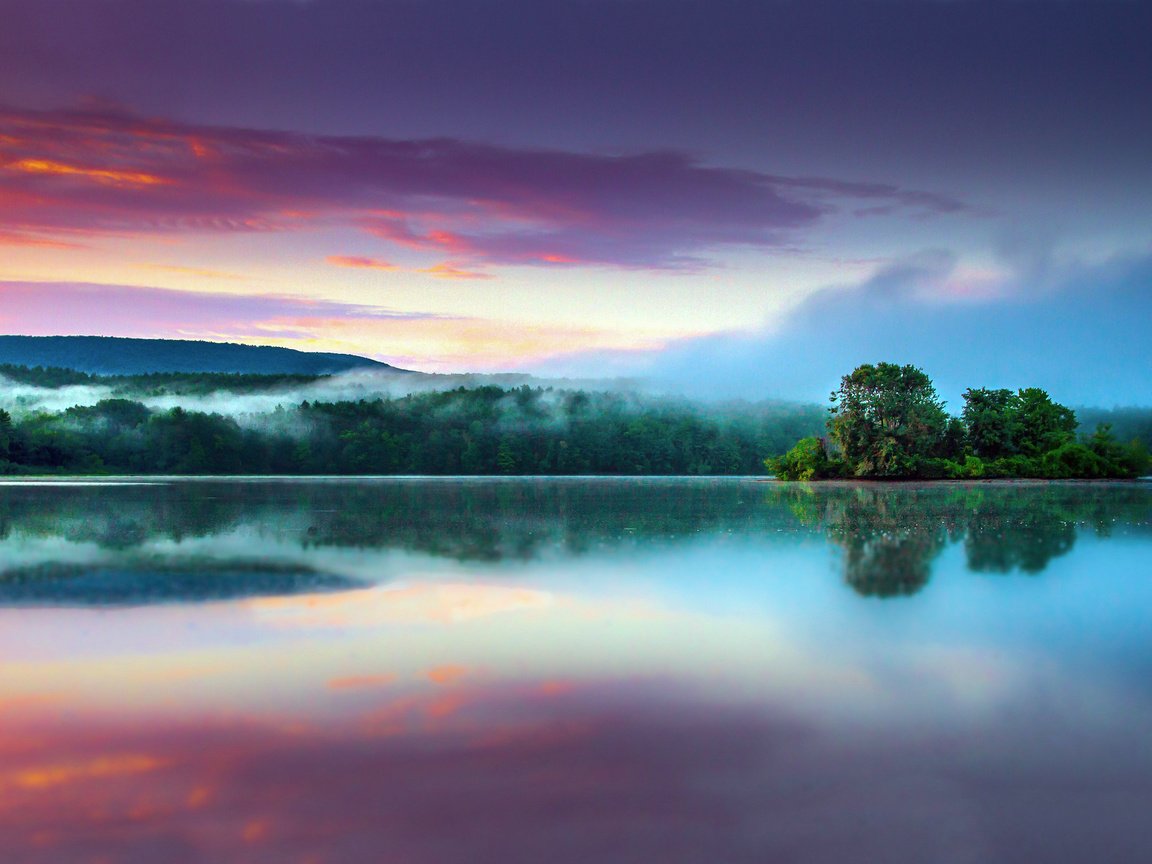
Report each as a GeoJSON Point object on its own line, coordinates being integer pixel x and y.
{"type": "Point", "coordinates": [1073, 460]}
{"type": "Point", "coordinates": [808, 460]}
{"type": "Point", "coordinates": [973, 467]}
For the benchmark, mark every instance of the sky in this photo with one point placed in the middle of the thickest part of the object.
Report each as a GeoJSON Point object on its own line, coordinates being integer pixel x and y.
{"type": "Point", "coordinates": [733, 198]}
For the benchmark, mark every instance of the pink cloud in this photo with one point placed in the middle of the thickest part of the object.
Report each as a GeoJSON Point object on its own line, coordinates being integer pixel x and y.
{"type": "Point", "coordinates": [443, 270]}
{"type": "Point", "coordinates": [66, 175]}
{"type": "Point", "coordinates": [359, 262]}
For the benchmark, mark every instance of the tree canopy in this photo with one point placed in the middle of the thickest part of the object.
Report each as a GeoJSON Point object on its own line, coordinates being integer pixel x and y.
{"type": "Point", "coordinates": [886, 422]}
{"type": "Point", "coordinates": [886, 419]}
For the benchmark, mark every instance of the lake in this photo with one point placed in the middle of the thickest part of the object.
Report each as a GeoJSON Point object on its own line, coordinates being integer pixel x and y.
{"type": "Point", "coordinates": [312, 671]}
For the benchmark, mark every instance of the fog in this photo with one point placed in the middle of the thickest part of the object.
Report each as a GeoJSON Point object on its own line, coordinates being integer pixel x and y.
{"type": "Point", "coordinates": [253, 408]}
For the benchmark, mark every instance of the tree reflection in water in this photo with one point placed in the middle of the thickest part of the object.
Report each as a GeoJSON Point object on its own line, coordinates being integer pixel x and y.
{"type": "Point", "coordinates": [891, 533]}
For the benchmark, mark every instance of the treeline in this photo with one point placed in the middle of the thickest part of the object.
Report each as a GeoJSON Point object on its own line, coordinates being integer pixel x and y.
{"type": "Point", "coordinates": [128, 356]}
{"type": "Point", "coordinates": [483, 430]}
{"type": "Point", "coordinates": [887, 422]}
{"type": "Point", "coordinates": [155, 383]}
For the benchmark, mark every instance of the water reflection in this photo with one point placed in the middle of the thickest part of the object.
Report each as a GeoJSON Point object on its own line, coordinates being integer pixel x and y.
{"type": "Point", "coordinates": [209, 540]}
{"type": "Point", "coordinates": [570, 671]}
{"type": "Point", "coordinates": [533, 773]}
{"type": "Point", "coordinates": [130, 582]}
{"type": "Point", "coordinates": [890, 535]}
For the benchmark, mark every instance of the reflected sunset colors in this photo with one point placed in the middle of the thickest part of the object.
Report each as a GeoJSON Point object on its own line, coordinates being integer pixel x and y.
{"type": "Point", "coordinates": [573, 670]}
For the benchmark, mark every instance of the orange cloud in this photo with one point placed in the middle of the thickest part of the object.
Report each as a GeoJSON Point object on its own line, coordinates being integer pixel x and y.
{"type": "Point", "coordinates": [448, 270]}
{"type": "Point", "coordinates": [16, 238]}
{"type": "Point", "coordinates": [99, 175]}
{"type": "Point", "coordinates": [358, 262]}
{"type": "Point", "coordinates": [201, 272]}
{"type": "Point", "coordinates": [64, 773]}
{"type": "Point", "coordinates": [445, 270]}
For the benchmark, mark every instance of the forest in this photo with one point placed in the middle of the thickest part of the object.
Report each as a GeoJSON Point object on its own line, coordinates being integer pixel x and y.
{"type": "Point", "coordinates": [886, 422]}
{"type": "Point", "coordinates": [478, 430]}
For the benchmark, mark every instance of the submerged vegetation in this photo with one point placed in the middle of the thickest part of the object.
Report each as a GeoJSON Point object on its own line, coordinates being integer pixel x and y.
{"type": "Point", "coordinates": [886, 422]}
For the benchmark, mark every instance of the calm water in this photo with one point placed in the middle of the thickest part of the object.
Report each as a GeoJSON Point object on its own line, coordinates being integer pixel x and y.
{"type": "Point", "coordinates": [477, 671]}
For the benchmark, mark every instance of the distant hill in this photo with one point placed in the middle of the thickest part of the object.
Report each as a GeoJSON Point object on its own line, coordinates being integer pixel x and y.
{"type": "Point", "coordinates": [106, 355]}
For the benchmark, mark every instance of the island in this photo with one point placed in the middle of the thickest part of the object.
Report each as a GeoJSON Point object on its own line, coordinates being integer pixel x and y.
{"type": "Point", "coordinates": [887, 422]}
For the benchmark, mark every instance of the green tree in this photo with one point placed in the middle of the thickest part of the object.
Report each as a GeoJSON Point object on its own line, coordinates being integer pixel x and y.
{"type": "Point", "coordinates": [5, 434]}
{"type": "Point", "coordinates": [1042, 425]}
{"type": "Point", "coordinates": [989, 418]}
{"type": "Point", "coordinates": [887, 420]}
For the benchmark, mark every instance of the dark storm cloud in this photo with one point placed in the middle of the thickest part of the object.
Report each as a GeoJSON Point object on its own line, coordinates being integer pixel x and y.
{"type": "Point", "coordinates": [68, 175]}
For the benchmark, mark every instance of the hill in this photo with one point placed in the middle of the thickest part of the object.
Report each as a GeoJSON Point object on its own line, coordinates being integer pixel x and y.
{"type": "Point", "coordinates": [106, 355]}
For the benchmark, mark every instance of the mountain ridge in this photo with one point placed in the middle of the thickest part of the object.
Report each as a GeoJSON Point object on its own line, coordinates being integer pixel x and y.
{"type": "Point", "coordinates": [118, 355]}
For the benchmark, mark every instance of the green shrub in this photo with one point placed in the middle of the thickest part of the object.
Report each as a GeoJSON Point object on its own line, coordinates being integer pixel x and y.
{"type": "Point", "coordinates": [808, 460]}
{"type": "Point", "coordinates": [1073, 460]}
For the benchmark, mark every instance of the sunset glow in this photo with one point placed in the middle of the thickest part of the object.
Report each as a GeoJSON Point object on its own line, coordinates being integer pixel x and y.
{"type": "Point", "coordinates": [702, 214]}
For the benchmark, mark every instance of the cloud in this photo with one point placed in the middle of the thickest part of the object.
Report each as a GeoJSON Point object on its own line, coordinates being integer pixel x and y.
{"type": "Point", "coordinates": [410, 340]}
{"type": "Point", "coordinates": [360, 262]}
{"type": "Point", "coordinates": [443, 270]}
{"type": "Point", "coordinates": [19, 238]}
{"type": "Point", "coordinates": [61, 308]}
{"type": "Point", "coordinates": [1080, 333]}
{"type": "Point", "coordinates": [198, 272]}
{"type": "Point", "coordinates": [70, 175]}
{"type": "Point", "coordinates": [448, 270]}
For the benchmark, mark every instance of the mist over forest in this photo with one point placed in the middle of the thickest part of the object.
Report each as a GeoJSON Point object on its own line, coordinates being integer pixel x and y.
{"type": "Point", "coordinates": [377, 422]}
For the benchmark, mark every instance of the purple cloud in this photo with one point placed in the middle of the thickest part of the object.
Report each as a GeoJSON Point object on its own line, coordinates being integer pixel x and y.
{"type": "Point", "coordinates": [64, 175]}
{"type": "Point", "coordinates": [64, 308]}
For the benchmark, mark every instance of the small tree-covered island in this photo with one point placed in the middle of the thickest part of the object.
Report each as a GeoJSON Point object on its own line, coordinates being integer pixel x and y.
{"type": "Point", "coordinates": [887, 423]}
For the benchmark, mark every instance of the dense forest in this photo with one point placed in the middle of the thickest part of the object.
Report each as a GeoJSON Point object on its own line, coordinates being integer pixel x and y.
{"type": "Point", "coordinates": [154, 383]}
{"type": "Point", "coordinates": [480, 430]}
{"type": "Point", "coordinates": [886, 422]}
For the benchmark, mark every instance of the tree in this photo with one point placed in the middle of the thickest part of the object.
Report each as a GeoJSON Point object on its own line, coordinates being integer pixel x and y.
{"type": "Point", "coordinates": [5, 434]}
{"type": "Point", "coordinates": [1041, 424]}
{"type": "Point", "coordinates": [887, 420]}
{"type": "Point", "coordinates": [990, 419]}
